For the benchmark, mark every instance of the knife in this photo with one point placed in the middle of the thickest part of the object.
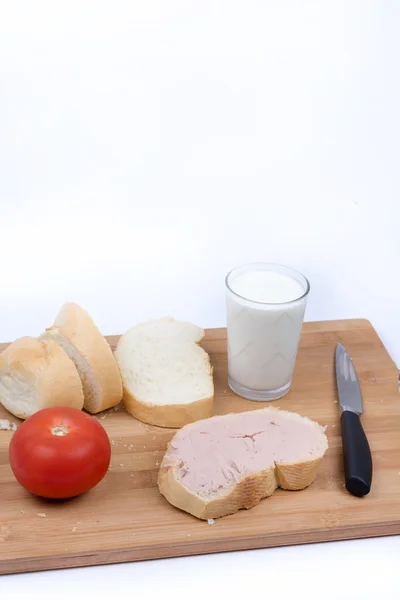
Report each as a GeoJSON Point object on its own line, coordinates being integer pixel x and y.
{"type": "Point", "coordinates": [356, 451]}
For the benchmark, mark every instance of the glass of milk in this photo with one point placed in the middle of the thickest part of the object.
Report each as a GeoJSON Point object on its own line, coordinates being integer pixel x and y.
{"type": "Point", "coordinates": [265, 311]}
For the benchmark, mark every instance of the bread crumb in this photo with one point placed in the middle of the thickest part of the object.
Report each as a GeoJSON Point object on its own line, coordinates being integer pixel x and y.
{"type": "Point", "coordinates": [121, 465]}
{"type": "Point", "coordinates": [5, 425]}
{"type": "Point", "coordinates": [74, 529]}
{"type": "Point", "coordinates": [333, 426]}
{"type": "Point", "coordinates": [23, 512]}
{"type": "Point", "coordinates": [188, 534]}
{"type": "Point", "coordinates": [335, 401]}
{"type": "Point", "coordinates": [211, 521]}
{"type": "Point", "coordinates": [103, 417]}
{"type": "Point", "coordinates": [157, 463]}
{"type": "Point", "coordinates": [131, 474]}
{"type": "Point", "coordinates": [114, 443]}
{"type": "Point", "coordinates": [43, 515]}
{"type": "Point", "coordinates": [133, 534]}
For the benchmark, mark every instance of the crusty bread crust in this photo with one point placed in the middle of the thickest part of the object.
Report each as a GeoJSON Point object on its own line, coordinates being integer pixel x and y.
{"type": "Point", "coordinates": [245, 494]}
{"type": "Point", "coordinates": [168, 415]}
{"type": "Point", "coordinates": [46, 368]}
{"type": "Point", "coordinates": [75, 324]}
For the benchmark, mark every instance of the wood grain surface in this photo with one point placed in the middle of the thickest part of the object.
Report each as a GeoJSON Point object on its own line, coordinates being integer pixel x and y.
{"type": "Point", "coordinates": [126, 519]}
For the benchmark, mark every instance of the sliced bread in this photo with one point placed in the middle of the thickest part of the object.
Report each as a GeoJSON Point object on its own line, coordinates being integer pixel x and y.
{"type": "Point", "coordinates": [167, 377]}
{"type": "Point", "coordinates": [75, 331]}
{"type": "Point", "coordinates": [36, 374]}
{"type": "Point", "coordinates": [219, 465]}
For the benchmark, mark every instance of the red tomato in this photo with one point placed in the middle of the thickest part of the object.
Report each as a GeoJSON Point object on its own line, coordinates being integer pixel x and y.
{"type": "Point", "coordinates": [59, 452]}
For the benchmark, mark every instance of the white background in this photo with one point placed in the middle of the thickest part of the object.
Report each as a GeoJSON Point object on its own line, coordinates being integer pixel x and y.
{"type": "Point", "coordinates": [148, 147]}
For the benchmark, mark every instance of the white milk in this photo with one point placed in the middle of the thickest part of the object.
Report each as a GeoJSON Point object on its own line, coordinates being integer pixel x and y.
{"type": "Point", "coordinates": [265, 310]}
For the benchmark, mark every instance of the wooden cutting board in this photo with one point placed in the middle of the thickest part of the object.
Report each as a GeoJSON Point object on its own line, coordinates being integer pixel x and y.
{"type": "Point", "coordinates": [126, 519]}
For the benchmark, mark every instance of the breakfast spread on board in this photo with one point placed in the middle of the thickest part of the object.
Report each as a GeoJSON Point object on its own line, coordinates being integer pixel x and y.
{"type": "Point", "coordinates": [213, 466]}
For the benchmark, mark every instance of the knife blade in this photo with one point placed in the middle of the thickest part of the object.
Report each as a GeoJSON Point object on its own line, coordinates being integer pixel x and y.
{"type": "Point", "coordinates": [357, 458]}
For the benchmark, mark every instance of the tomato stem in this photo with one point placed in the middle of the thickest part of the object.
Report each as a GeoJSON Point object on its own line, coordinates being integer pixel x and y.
{"type": "Point", "coordinates": [59, 430]}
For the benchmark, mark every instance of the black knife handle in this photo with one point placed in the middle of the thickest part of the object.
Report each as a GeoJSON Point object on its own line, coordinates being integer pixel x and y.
{"type": "Point", "coordinates": [356, 455]}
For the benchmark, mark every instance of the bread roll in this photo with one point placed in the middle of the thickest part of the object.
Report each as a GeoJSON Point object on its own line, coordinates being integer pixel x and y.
{"type": "Point", "coordinates": [75, 331]}
{"type": "Point", "coordinates": [36, 374]}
